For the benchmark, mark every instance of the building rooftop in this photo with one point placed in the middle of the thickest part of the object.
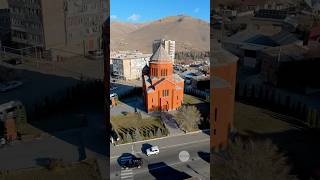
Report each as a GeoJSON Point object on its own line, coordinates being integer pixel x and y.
{"type": "Point", "coordinates": [177, 78]}
{"type": "Point", "coordinates": [4, 4]}
{"type": "Point", "coordinates": [221, 56]}
{"type": "Point", "coordinates": [160, 56]}
{"type": "Point", "coordinates": [293, 51]}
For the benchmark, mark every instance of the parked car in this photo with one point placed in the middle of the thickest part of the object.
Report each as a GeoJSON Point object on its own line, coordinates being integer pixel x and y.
{"type": "Point", "coordinates": [14, 61]}
{"type": "Point", "coordinates": [154, 150]}
{"type": "Point", "coordinates": [131, 162]}
{"type": "Point", "coordinates": [4, 87]}
{"type": "Point", "coordinates": [113, 95]}
{"type": "Point", "coordinates": [96, 54]}
{"type": "Point", "coordinates": [113, 88]}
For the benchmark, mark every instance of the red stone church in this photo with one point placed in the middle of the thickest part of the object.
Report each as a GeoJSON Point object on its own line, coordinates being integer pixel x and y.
{"type": "Point", "coordinates": [163, 90]}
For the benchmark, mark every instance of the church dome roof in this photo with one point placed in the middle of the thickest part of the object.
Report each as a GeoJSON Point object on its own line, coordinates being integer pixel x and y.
{"type": "Point", "coordinates": [160, 56]}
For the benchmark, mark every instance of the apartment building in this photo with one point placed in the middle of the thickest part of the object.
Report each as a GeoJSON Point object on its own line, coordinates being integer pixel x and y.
{"type": "Point", "coordinates": [168, 45]}
{"type": "Point", "coordinates": [129, 66]}
{"type": "Point", "coordinates": [70, 25]}
{"type": "Point", "coordinates": [4, 22]}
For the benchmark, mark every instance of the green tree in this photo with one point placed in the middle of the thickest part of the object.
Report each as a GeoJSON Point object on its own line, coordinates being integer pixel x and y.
{"type": "Point", "coordinates": [251, 160]}
{"type": "Point", "coordinates": [188, 118]}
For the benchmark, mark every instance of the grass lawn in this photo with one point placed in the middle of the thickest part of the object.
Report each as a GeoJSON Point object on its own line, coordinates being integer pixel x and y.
{"type": "Point", "coordinates": [131, 121]}
{"type": "Point", "coordinates": [87, 170]}
{"type": "Point", "coordinates": [252, 119]}
{"type": "Point", "coordinates": [50, 125]}
{"type": "Point", "coordinates": [27, 130]}
{"type": "Point", "coordinates": [192, 100]}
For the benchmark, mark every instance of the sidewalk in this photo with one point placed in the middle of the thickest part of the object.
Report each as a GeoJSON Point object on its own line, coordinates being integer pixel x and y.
{"type": "Point", "coordinates": [163, 143]}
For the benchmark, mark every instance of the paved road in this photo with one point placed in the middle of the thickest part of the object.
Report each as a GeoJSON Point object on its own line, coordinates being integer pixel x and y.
{"type": "Point", "coordinates": [167, 162]}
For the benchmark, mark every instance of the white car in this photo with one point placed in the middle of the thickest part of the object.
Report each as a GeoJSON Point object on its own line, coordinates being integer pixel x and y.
{"type": "Point", "coordinates": [154, 150]}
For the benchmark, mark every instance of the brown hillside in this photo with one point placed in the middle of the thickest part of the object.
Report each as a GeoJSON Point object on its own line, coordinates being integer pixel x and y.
{"type": "Point", "coordinates": [188, 32]}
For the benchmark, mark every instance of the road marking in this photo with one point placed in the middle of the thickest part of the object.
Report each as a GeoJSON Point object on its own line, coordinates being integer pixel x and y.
{"type": "Point", "coordinates": [169, 165]}
{"type": "Point", "coordinates": [171, 146]}
{"type": "Point", "coordinates": [126, 174]}
{"type": "Point", "coordinates": [176, 145]}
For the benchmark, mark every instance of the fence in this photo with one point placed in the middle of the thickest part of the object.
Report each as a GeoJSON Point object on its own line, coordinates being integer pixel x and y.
{"type": "Point", "coordinates": [295, 104]}
{"type": "Point", "coordinates": [198, 93]}
{"type": "Point", "coordinates": [33, 52]}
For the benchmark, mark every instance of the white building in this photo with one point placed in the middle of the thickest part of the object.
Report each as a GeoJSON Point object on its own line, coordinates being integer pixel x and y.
{"type": "Point", "coordinates": [129, 66]}
{"type": "Point", "coordinates": [168, 45]}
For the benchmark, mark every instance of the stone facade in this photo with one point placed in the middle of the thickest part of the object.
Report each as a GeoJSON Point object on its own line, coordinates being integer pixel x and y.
{"type": "Point", "coordinates": [163, 90]}
{"type": "Point", "coordinates": [223, 84]}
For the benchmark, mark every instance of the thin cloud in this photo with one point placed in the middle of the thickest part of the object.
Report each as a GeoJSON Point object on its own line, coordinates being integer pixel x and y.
{"type": "Point", "coordinates": [134, 17]}
{"type": "Point", "coordinates": [114, 16]}
{"type": "Point", "coordinates": [196, 10]}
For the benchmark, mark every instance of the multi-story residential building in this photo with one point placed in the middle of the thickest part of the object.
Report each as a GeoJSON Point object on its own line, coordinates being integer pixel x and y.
{"type": "Point", "coordinates": [4, 22]}
{"type": "Point", "coordinates": [129, 66]}
{"type": "Point", "coordinates": [168, 45]}
{"type": "Point", "coordinates": [163, 90]}
{"type": "Point", "coordinates": [70, 25]}
{"type": "Point", "coordinates": [222, 95]}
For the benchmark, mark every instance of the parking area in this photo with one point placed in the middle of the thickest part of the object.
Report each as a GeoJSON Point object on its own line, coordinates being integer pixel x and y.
{"type": "Point", "coordinates": [132, 104]}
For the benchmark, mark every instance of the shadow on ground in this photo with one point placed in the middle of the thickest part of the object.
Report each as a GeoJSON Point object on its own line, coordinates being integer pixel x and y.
{"type": "Point", "coordinates": [84, 134]}
{"type": "Point", "coordinates": [162, 171]}
{"type": "Point", "coordinates": [302, 148]}
{"type": "Point", "coordinates": [205, 156]}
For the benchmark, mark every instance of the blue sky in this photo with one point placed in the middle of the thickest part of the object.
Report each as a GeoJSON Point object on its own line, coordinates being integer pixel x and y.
{"type": "Point", "coordinates": [148, 10]}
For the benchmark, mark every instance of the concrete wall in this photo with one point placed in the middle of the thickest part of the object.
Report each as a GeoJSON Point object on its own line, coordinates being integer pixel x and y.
{"type": "Point", "coordinates": [53, 22]}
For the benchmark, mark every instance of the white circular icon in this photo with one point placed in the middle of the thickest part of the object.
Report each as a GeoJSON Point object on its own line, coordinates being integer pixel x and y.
{"type": "Point", "coordinates": [184, 156]}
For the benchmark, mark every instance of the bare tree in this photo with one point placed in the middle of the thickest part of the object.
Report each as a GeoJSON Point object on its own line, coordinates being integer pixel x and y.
{"type": "Point", "coordinates": [188, 118]}
{"type": "Point", "coordinates": [138, 135]}
{"type": "Point", "coordinates": [250, 160]}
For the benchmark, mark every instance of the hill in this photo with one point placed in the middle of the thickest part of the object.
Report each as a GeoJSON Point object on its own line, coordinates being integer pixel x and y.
{"type": "Point", "coordinates": [189, 33]}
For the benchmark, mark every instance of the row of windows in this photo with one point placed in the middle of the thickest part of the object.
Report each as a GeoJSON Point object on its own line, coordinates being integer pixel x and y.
{"type": "Point", "coordinates": [25, 24]}
{"type": "Point", "coordinates": [165, 93]}
{"type": "Point", "coordinates": [24, 36]}
{"type": "Point", "coordinates": [29, 1]}
{"type": "Point", "coordinates": [154, 71]}
{"type": "Point", "coordinates": [19, 35]}
{"type": "Point", "coordinates": [163, 72]}
{"type": "Point", "coordinates": [82, 7]}
{"type": "Point", "coordinates": [83, 20]}
{"type": "Point", "coordinates": [26, 11]}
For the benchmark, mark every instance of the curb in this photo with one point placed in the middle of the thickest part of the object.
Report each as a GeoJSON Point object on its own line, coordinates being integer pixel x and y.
{"type": "Point", "coordinates": [194, 132]}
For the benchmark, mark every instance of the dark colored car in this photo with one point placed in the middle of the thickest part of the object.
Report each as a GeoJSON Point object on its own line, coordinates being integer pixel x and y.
{"type": "Point", "coordinates": [14, 61]}
{"type": "Point", "coordinates": [131, 162]}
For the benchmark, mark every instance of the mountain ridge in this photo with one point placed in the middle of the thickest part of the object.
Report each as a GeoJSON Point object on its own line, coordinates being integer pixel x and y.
{"type": "Point", "coordinates": [190, 34]}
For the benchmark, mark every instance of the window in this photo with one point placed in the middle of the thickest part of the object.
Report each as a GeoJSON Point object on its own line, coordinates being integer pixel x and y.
{"type": "Point", "coordinates": [215, 114]}
{"type": "Point", "coordinates": [165, 93]}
